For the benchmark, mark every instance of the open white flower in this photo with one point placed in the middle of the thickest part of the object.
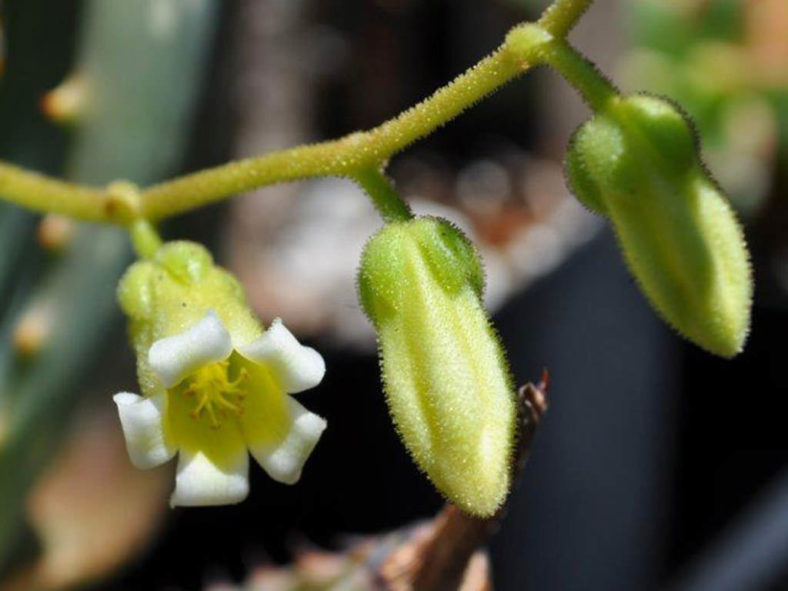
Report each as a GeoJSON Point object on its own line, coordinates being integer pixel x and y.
{"type": "Point", "coordinates": [214, 398]}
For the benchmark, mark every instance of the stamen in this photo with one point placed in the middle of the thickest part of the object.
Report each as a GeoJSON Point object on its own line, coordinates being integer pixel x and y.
{"type": "Point", "coordinates": [217, 396]}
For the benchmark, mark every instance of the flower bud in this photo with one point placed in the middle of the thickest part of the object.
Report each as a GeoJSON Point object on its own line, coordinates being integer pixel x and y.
{"type": "Point", "coordinates": [637, 163]}
{"type": "Point", "coordinates": [446, 378]}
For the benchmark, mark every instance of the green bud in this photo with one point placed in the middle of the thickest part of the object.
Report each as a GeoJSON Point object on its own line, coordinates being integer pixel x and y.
{"type": "Point", "coordinates": [172, 291]}
{"type": "Point", "coordinates": [637, 163]}
{"type": "Point", "coordinates": [447, 381]}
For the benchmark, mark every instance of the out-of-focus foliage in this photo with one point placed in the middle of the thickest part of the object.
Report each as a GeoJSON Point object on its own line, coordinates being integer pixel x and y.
{"type": "Point", "coordinates": [141, 64]}
{"type": "Point", "coordinates": [91, 508]}
{"type": "Point", "coordinates": [724, 62]}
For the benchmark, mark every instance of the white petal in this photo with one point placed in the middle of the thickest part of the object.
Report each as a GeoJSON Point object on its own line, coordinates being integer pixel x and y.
{"type": "Point", "coordinates": [200, 482]}
{"type": "Point", "coordinates": [285, 461]}
{"type": "Point", "coordinates": [143, 428]}
{"type": "Point", "coordinates": [173, 358]}
{"type": "Point", "coordinates": [296, 368]}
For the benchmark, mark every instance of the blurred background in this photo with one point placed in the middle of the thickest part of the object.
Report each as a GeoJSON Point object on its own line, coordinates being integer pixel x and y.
{"type": "Point", "coordinates": [657, 465]}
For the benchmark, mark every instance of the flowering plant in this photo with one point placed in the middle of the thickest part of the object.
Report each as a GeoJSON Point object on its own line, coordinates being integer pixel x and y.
{"type": "Point", "coordinates": [215, 385]}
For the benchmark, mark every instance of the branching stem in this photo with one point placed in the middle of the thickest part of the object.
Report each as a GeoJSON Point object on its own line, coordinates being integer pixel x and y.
{"type": "Point", "coordinates": [559, 18]}
{"type": "Point", "coordinates": [349, 156]}
{"type": "Point", "coordinates": [45, 194]}
{"type": "Point", "coordinates": [361, 156]}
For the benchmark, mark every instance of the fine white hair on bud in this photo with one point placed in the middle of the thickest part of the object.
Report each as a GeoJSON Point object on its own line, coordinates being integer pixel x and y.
{"type": "Point", "coordinates": [637, 163]}
{"type": "Point", "coordinates": [446, 379]}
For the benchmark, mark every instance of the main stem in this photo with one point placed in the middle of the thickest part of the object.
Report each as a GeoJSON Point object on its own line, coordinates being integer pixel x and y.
{"type": "Point", "coordinates": [45, 194]}
{"type": "Point", "coordinates": [352, 156]}
{"type": "Point", "coordinates": [347, 156]}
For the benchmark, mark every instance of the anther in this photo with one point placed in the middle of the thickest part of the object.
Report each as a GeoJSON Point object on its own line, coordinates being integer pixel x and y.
{"type": "Point", "coordinates": [218, 396]}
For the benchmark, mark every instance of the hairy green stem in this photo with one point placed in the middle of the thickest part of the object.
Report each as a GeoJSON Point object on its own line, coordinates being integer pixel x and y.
{"type": "Point", "coordinates": [593, 86]}
{"type": "Point", "coordinates": [347, 156]}
{"type": "Point", "coordinates": [45, 194]}
{"type": "Point", "coordinates": [144, 238]}
{"type": "Point", "coordinates": [559, 18]}
{"type": "Point", "coordinates": [353, 156]}
{"type": "Point", "coordinates": [383, 194]}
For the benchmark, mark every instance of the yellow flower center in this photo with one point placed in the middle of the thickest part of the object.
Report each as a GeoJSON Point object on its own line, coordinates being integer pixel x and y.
{"type": "Point", "coordinates": [217, 395]}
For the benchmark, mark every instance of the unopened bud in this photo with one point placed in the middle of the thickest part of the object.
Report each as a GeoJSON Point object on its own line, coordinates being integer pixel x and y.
{"type": "Point", "coordinates": [447, 381]}
{"type": "Point", "coordinates": [637, 163]}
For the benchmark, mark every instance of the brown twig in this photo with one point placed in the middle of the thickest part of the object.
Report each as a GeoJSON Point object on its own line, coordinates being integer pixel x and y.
{"type": "Point", "coordinates": [445, 555]}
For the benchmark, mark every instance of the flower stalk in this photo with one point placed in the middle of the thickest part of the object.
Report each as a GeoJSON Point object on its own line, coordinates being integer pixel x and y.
{"type": "Point", "coordinates": [351, 156]}
{"type": "Point", "coordinates": [597, 91]}
{"type": "Point", "coordinates": [561, 16]}
{"type": "Point", "coordinates": [389, 204]}
{"type": "Point", "coordinates": [145, 239]}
